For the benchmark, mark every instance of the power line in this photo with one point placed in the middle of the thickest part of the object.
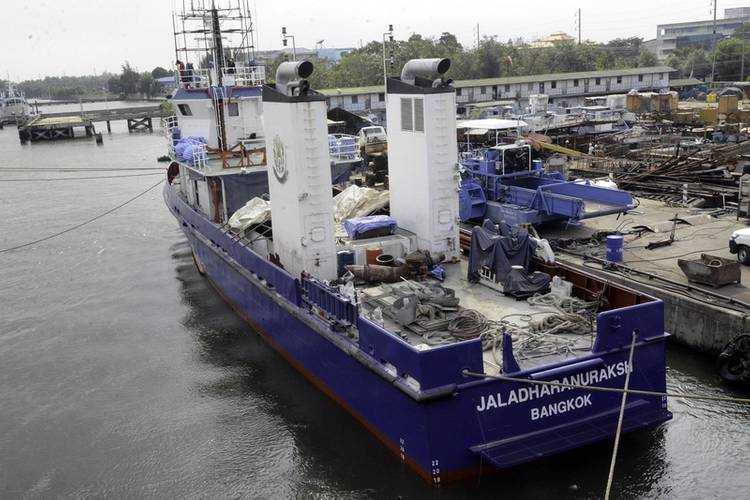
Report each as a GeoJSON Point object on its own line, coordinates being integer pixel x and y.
{"type": "Point", "coordinates": [95, 169]}
{"type": "Point", "coordinates": [89, 221]}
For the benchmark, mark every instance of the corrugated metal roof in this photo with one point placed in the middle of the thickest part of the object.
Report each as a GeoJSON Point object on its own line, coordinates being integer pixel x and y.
{"type": "Point", "coordinates": [684, 82]}
{"type": "Point", "coordinates": [507, 80]}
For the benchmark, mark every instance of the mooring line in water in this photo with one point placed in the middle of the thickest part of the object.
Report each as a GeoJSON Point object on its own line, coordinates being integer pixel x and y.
{"type": "Point", "coordinates": [79, 178]}
{"type": "Point", "coordinates": [639, 392]}
{"type": "Point", "coordinates": [620, 419]}
{"type": "Point", "coordinates": [89, 221]}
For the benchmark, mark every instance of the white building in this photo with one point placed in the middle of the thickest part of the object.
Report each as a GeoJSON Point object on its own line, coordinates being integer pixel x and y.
{"type": "Point", "coordinates": [564, 89]}
{"type": "Point", "coordinates": [670, 37]}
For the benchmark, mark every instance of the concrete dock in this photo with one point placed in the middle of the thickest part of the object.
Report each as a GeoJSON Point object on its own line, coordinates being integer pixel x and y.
{"type": "Point", "coordinates": [50, 128]}
{"type": "Point", "coordinates": [55, 126]}
{"type": "Point", "coordinates": [699, 316]}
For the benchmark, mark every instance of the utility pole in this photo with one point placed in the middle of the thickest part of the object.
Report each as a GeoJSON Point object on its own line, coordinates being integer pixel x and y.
{"type": "Point", "coordinates": [742, 63]}
{"type": "Point", "coordinates": [388, 34]}
{"type": "Point", "coordinates": [713, 61]}
{"type": "Point", "coordinates": [478, 41]}
{"type": "Point", "coordinates": [579, 26]}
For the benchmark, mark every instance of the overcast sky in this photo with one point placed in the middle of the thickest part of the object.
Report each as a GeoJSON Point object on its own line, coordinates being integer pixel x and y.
{"type": "Point", "coordinates": [75, 37]}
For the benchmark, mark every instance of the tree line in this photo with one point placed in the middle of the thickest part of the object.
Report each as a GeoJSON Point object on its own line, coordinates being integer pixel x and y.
{"type": "Point", "coordinates": [730, 64]}
{"type": "Point", "coordinates": [490, 58]}
{"type": "Point", "coordinates": [494, 58]}
{"type": "Point", "coordinates": [129, 82]}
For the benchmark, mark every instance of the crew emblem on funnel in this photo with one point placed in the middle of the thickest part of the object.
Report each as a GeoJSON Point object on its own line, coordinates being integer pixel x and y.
{"type": "Point", "coordinates": [279, 159]}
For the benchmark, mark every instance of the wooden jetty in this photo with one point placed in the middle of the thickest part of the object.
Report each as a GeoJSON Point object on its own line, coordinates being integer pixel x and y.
{"type": "Point", "coordinates": [54, 126]}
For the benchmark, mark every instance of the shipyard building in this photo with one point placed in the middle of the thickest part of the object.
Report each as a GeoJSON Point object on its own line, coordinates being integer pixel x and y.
{"type": "Point", "coordinates": [563, 89]}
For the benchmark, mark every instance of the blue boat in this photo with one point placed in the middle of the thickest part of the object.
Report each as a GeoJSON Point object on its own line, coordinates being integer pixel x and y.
{"type": "Point", "coordinates": [418, 348]}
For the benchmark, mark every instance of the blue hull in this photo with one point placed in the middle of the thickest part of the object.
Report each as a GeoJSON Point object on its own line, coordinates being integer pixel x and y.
{"type": "Point", "coordinates": [448, 426]}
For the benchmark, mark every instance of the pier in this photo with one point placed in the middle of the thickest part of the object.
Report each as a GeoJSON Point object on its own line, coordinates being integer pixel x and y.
{"type": "Point", "coordinates": [54, 126]}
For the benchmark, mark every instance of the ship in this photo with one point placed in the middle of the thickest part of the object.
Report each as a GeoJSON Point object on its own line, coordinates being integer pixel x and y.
{"type": "Point", "coordinates": [454, 355]}
{"type": "Point", "coordinates": [13, 106]}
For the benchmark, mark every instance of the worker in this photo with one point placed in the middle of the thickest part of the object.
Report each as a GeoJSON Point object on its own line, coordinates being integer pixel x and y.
{"type": "Point", "coordinates": [181, 72]}
{"type": "Point", "coordinates": [189, 74]}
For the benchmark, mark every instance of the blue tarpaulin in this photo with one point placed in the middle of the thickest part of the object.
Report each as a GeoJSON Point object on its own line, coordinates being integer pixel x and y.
{"type": "Point", "coordinates": [360, 225]}
{"type": "Point", "coordinates": [187, 147]}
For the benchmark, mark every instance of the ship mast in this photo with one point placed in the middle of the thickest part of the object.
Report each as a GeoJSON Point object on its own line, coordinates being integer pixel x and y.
{"type": "Point", "coordinates": [218, 46]}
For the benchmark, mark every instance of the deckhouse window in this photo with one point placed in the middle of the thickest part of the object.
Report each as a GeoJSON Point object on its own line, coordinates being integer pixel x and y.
{"type": "Point", "coordinates": [184, 110]}
{"type": "Point", "coordinates": [234, 109]}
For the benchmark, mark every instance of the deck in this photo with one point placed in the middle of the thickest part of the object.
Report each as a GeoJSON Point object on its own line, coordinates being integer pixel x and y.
{"type": "Point", "coordinates": [503, 313]}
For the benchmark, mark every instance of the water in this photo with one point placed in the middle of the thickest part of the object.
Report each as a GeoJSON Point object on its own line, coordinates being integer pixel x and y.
{"type": "Point", "coordinates": [124, 374]}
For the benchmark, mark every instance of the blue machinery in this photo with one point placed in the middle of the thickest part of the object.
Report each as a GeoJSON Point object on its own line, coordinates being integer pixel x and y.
{"type": "Point", "coordinates": [504, 184]}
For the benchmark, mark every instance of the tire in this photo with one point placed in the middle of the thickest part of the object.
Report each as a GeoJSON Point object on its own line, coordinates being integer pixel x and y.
{"type": "Point", "coordinates": [734, 361]}
{"type": "Point", "coordinates": [743, 254]}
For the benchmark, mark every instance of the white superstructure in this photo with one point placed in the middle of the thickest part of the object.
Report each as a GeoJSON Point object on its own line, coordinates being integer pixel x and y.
{"type": "Point", "coordinates": [299, 173]}
{"type": "Point", "coordinates": [422, 152]}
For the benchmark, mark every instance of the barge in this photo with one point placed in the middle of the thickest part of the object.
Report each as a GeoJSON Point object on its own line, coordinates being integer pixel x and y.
{"type": "Point", "coordinates": [410, 348]}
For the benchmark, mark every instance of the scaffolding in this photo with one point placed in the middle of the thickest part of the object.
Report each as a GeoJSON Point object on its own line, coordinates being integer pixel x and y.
{"type": "Point", "coordinates": [214, 44]}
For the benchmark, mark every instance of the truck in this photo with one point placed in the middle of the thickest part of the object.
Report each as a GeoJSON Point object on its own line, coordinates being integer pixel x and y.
{"type": "Point", "coordinates": [739, 243]}
{"type": "Point", "coordinates": [372, 141]}
{"type": "Point", "coordinates": [373, 148]}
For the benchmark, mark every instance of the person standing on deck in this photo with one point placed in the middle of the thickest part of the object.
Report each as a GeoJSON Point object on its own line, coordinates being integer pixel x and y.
{"type": "Point", "coordinates": [181, 72]}
{"type": "Point", "coordinates": [189, 74]}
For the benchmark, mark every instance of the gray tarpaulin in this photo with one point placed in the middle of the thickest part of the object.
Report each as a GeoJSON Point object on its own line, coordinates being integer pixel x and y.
{"type": "Point", "coordinates": [499, 247]}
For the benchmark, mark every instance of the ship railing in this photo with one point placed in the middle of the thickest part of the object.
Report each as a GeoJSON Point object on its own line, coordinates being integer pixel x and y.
{"type": "Point", "coordinates": [171, 134]}
{"type": "Point", "coordinates": [243, 76]}
{"type": "Point", "coordinates": [193, 78]}
{"type": "Point", "coordinates": [329, 303]}
{"type": "Point", "coordinates": [168, 125]}
{"type": "Point", "coordinates": [200, 155]}
{"type": "Point", "coordinates": [342, 147]}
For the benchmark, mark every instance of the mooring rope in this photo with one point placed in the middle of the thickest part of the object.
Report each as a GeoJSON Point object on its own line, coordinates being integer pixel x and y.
{"type": "Point", "coordinates": [86, 178]}
{"type": "Point", "coordinates": [620, 419]}
{"type": "Point", "coordinates": [75, 169]}
{"type": "Point", "coordinates": [89, 221]}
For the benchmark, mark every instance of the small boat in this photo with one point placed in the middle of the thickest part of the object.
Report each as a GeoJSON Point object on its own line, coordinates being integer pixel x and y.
{"type": "Point", "coordinates": [13, 106]}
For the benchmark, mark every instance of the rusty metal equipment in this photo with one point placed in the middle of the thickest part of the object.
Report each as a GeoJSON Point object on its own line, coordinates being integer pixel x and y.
{"type": "Point", "coordinates": [711, 270]}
